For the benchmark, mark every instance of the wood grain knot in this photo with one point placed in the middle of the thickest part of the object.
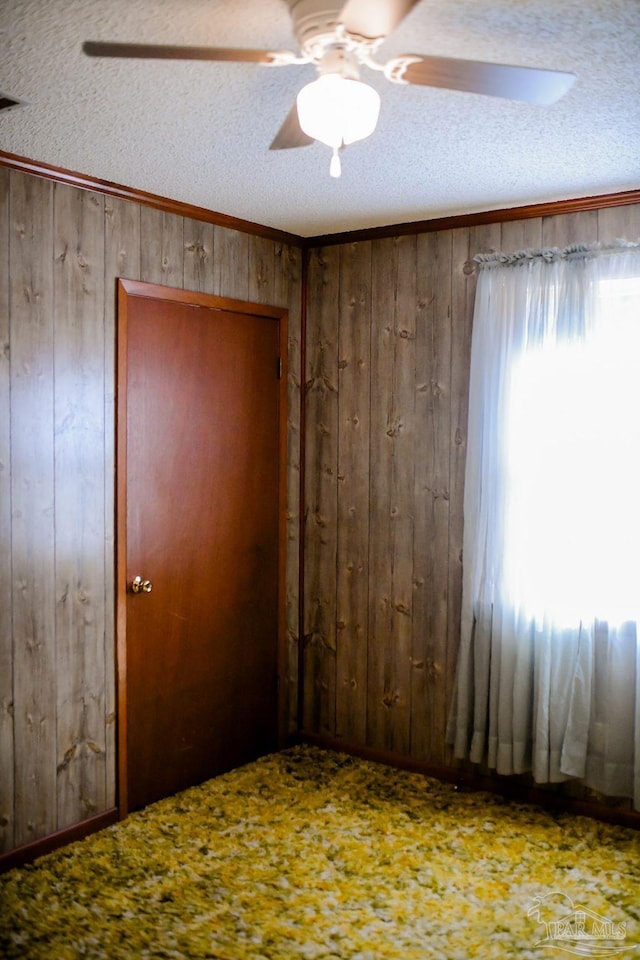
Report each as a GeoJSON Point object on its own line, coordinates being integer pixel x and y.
{"type": "Point", "coordinates": [404, 610]}
{"type": "Point", "coordinates": [390, 699]}
{"type": "Point", "coordinates": [68, 758]}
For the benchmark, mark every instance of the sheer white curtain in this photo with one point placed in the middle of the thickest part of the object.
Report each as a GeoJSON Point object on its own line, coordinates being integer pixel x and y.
{"type": "Point", "coordinates": [549, 665]}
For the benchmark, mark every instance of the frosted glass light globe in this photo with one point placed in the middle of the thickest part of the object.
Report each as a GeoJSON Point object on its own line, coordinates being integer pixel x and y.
{"type": "Point", "coordinates": [337, 110]}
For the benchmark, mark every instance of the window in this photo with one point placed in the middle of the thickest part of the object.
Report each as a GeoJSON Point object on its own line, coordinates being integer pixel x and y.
{"type": "Point", "coordinates": [548, 673]}
{"type": "Point", "coordinates": [572, 538]}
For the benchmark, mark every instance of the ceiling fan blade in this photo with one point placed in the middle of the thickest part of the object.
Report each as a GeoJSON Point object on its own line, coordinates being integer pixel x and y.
{"type": "Point", "coordinates": [94, 48]}
{"type": "Point", "coordinates": [291, 133]}
{"type": "Point", "coordinates": [492, 79]}
{"type": "Point", "coordinates": [374, 20]}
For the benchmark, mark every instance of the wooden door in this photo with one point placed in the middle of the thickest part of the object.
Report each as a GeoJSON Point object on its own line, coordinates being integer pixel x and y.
{"type": "Point", "coordinates": [200, 487]}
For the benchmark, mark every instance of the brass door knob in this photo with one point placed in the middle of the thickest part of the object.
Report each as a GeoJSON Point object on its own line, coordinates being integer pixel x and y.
{"type": "Point", "coordinates": [139, 585]}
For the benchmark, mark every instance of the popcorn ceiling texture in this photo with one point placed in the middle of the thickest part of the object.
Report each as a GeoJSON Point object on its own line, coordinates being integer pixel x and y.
{"type": "Point", "coordinates": [200, 132]}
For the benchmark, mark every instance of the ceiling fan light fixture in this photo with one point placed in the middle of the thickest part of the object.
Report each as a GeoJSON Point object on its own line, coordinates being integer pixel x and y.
{"type": "Point", "coordinates": [340, 37]}
{"type": "Point", "coordinates": [338, 110]}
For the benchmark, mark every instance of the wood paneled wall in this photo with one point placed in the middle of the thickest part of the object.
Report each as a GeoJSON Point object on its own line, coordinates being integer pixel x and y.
{"type": "Point", "coordinates": [386, 380]}
{"type": "Point", "coordinates": [388, 348]}
{"type": "Point", "coordinates": [61, 249]}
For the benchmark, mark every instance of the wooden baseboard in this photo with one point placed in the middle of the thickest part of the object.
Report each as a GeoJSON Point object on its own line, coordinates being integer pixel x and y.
{"type": "Point", "coordinates": [30, 851]}
{"type": "Point", "coordinates": [511, 789]}
{"type": "Point", "coordinates": [508, 787]}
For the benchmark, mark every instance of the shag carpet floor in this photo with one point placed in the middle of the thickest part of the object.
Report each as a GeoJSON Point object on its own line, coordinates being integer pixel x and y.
{"type": "Point", "coordinates": [313, 854]}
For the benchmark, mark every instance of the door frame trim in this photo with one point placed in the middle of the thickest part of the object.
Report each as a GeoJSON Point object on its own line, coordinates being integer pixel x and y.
{"type": "Point", "coordinates": [127, 289]}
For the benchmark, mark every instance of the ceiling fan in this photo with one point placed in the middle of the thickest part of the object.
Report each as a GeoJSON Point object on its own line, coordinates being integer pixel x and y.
{"type": "Point", "coordinates": [340, 37]}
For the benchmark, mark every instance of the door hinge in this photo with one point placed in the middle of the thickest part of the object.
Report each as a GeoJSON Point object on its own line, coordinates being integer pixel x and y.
{"type": "Point", "coordinates": [279, 368]}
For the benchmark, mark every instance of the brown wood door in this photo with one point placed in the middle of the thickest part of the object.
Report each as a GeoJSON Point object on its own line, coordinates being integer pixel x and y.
{"type": "Point", "coordinates": [200, 414]}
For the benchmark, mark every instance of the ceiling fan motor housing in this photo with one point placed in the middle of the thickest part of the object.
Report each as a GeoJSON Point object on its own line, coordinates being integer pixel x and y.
{"type": "Point", "coordinates": [318, 27]}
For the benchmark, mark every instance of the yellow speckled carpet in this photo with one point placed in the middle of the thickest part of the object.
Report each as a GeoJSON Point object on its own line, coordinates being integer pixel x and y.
{"type": "Point", "coordinates": [310, 854]}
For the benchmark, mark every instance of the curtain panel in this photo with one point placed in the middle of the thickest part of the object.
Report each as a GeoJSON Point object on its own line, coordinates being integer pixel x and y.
{"type": "Point", "coordinates": [548, 676]}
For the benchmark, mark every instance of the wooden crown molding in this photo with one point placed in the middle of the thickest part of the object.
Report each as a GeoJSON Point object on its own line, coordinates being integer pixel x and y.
{"type": "Point", "coordinates": [551, 209]}
{"type": "Point", "coordinates": [109, 189]}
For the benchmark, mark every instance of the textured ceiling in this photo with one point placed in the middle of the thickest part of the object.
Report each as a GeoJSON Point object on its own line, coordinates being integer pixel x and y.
{"type": "Point", "coordinates": [200, 132]}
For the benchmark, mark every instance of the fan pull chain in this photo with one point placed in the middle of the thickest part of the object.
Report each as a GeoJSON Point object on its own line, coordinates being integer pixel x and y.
{"type": "Point", "coordinates": [335, 168]}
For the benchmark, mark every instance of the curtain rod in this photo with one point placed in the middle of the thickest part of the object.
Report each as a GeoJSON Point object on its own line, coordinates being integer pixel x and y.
{"type": "Point", "coordinates": [549, 254]}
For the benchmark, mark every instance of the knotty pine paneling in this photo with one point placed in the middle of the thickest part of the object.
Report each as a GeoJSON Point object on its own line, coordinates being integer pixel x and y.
{"type": "Point", "coordinates": [162, 248]}
{"type": "Point", "coordinates": [388, 349]}
{"type": "Point", "coordinates": [6, 602]}
{"type": "Point", "coordinates": [79, 498]}
{"type": "Point", "coordinates": [61, 250]}
{"type": "Point", "coordinates": [32, 470]}
{"type": "Point", "coordinates": [287, 291]}
{"type": "Point", "coordinates": [231, 267]}
{"type": "Point", "coordinates": [354, 480]}
{"type": "Point", "coordinates": [198, 256]}
{"type": "Point", "coordinates": [431, 497]}
{"type": "Point", "coordinates": [393, 435]}
{"type": "Point", "coordinates": [321, 483]}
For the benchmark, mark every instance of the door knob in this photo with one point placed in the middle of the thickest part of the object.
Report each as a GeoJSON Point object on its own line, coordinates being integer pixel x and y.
{"type": "Point", "coordinates": [139, 585]}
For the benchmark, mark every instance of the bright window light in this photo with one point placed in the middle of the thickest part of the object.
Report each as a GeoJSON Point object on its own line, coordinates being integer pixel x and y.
{"type": "Point", "coordinates": [573, 459]}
